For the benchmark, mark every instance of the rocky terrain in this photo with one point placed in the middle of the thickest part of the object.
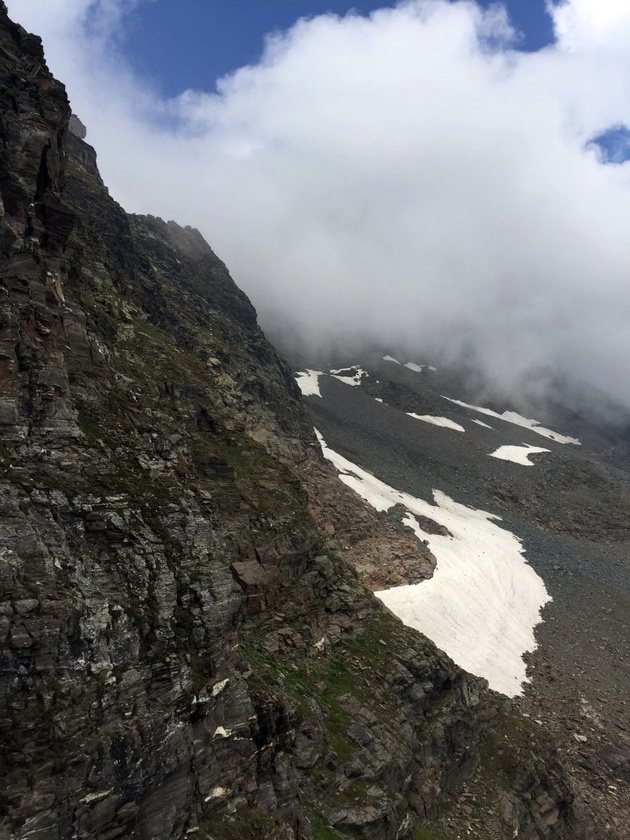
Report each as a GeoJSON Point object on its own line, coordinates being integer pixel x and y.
{"type": "Point", "coordinates": [186, 649]}
{"type": "Point", "coordinates": [570, 510]}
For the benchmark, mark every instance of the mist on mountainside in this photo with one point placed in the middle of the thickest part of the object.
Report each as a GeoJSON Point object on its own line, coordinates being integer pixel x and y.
{"type": "Point", "coordinates": [408, 179]}
{"type": "Point", "coordinates": [572, 404]}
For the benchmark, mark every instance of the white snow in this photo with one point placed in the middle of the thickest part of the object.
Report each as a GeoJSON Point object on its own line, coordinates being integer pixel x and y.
{"type": "Point", "coordinates": [417, 368]}
{"type": "Point", "coordinates": [484, 599]}
{"type": "Point", "coordinates": [519, 420]}
{"type": "Point", "coordinates": [217, 688]}
{"type": "Point", "coordinates": [518, 454]}
{"type": "Point", "coordinates": [308, 382]}
{"type": "Point", "coordinates": [481, 423]}
{"type": "Point", "coordinates": [222, 732]}
{"type": "Point", "coordinates": [216, 793]}
{"type": "Point", "coordinates": [378, 399]}
{"type": "Point", "coordinates": [94, 797]}
{"type": "Point", "coordinates": [438, 421]}
{"type": "Point", "coordinates": [390, 359]}
{"type": "Point", "coordinates": [353, 380]}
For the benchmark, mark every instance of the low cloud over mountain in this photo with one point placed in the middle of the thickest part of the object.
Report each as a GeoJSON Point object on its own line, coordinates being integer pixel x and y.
{"type": "Point", "coordinates": [407, 177]}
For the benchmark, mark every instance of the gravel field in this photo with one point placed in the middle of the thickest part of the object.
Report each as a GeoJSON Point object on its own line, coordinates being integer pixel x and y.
{"type": "Point", "coordinates": [571, 509]}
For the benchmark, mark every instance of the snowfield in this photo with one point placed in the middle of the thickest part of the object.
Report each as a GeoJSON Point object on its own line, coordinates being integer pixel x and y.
{"type": "Point", "coordinates": [519, 420]}
{"type": "Point", "coordinates": [481, 423]}
{"type": "Point", "coordinates": [437, 421]}
{"type": "Point", "coordinates": [517, 454]}
{"type": "Point", "coordinates": [353, 380]}
{"type": "Point", "coordinates": [419, 368]}
{"type": "Point", "coordinates": [484, 599]}
{"type": "Point", "coordinates": [308, 382]}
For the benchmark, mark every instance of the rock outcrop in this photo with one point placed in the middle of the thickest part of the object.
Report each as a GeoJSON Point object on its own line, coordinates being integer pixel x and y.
{"type": "Point", "coordinates": [182, 652]}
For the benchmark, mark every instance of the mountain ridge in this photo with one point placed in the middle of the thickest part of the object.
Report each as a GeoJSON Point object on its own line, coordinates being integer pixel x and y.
{"type": "Point", "coordinates": [184, 652]}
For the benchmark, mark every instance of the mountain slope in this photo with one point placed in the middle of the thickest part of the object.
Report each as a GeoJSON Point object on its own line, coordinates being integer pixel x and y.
{"type": "Point", "coordinates": [184, 653]}
{"type": "Point", "coordinates": [568, 506]}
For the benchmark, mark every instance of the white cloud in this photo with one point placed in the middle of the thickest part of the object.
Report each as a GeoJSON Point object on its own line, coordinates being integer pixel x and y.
{"type": "Point", "coordinates": [591, 23]}
{"type": "Point", "coordinates": [406, 176]}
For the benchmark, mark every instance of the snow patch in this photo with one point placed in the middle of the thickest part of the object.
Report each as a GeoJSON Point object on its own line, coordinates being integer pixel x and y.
{"type": "Point", "coordinates": [219, 687]}
{"type": "Point", "coordinates": [517, 454]}
{"type": "Point", "coordinates": [481, 423]}
{"type": "Point", "coordinates": [308, 382]}
{"type": "Point", "coordinates": [484, 599]}
{"type": "Point", "coordinates": [353, 380]}
{"type": "Point", "coordinates": [438, 421]}
{"type": "Point", "coordinates": [222, 732]}
{"type": "Point", "coordinates": [391, 359]}
{"type": "Point", "coordinates": [216, 793]}
{"type": "Point", "coordinates": [95, 797]}
{"type": "Point", "coordinates": [519, 420]}
{"type": "Point", "coordinates": [417, 368]}
{"type": "Point", "coordinates": [378, 399]}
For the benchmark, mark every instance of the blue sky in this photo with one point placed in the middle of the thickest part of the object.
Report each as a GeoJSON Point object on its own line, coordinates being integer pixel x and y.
{"type": "Point", "coordinates": [181, 44]}
{"type": "Point", "coordinates": [188, 44]}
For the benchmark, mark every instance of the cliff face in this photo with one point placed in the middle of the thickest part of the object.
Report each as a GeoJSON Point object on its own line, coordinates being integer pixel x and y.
{"type": "Point", "coordinates": [182, 651]}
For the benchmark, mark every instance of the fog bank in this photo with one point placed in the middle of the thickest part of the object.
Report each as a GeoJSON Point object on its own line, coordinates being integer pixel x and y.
{"type": "Point", "coordinates": [408, 178]}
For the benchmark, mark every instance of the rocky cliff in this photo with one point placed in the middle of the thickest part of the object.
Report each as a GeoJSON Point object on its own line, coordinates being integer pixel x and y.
{"type": "Point", "coordinates": [183, 652]}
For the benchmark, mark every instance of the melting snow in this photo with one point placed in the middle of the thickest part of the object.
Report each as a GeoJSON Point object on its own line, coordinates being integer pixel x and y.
{"type": "Point", "coordinates": [222, 732]}
{"type": "Point", "coordinates": [216, 793]}
{"type": "Point", "coordinates": [354, 380]}
{"type": "Point", "coordinates": [484, 599]}
{"type": "Point", "coordinates": [481, 423]}
{"type": "Point", "coordinates": [519, 420]}
{"type": "Point", "coordinates": [219, 687]}
{"type": "Point", "coordinates": [308, 382]}
{"type": "Point", "coordinates": [390, 359]}
{"type": "Point", "coordinates": [518, 454]}
{"type": "Point", "coordinates": [419, 368]}
{"type": "Point", "coordinates": [438, 421]}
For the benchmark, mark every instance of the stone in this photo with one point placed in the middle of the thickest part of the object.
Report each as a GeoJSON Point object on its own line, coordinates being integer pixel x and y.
{"type": "Point", "coordinates": [8, 413]}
